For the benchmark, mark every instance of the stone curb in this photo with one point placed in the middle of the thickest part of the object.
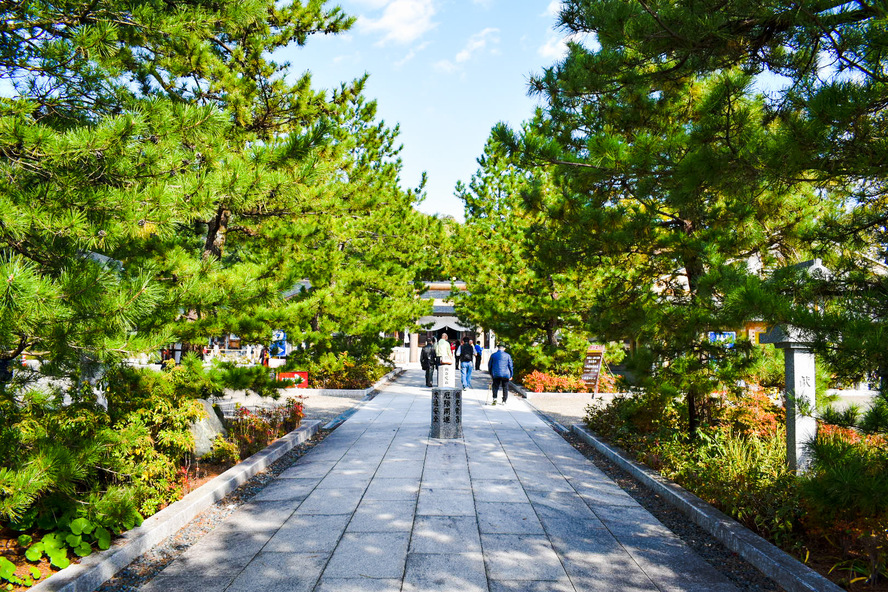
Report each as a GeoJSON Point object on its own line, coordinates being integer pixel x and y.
{"type": "Point", "coordinates": [228, 407]}
{"type": "Point", "coordinates": [530, 395]}
{"type": "Point", "coordinates": [776, 564]}
{"type": "Point", "coordinates": [94, 570]}
{"type": "Point", "coordinates": [351, 392]}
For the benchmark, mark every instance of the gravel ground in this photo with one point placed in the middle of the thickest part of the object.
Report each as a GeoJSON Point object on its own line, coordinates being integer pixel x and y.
{"type": "Point", "coordinates": [568, 411]}
{"type": "Point", "coordinates": [140, 571]}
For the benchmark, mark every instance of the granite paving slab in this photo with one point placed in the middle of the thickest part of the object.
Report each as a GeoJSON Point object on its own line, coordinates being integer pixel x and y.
{"type": "Point", "coordinates": [309, 534]}
{"type": "Point", "coordinates": [281, 572]}
{"type": "Point", "coordinates": [454, 572]}
{"type": "Point", "coordinates": [445, 535]}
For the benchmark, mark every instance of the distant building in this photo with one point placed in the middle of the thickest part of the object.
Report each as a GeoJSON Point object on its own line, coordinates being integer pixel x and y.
{"type": "Point", "coordinates": [442, 320]}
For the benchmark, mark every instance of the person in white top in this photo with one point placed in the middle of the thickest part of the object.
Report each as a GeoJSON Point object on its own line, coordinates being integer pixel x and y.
{"type": "Point", "coordinates": [443, 351]}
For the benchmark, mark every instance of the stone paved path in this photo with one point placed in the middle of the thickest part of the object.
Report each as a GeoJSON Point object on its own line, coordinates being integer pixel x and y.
{"type": "Point", "coordinates": [379, 506]}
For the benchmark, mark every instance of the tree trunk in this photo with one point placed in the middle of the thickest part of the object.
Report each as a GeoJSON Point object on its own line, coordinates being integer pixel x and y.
{"type": "Point", "coordinates": [693, 271]}
{"type": "Point", "coordinates": [693, 416]}
{"type": "Point", "coordinates": [551, 332]}
{"type": "Point", "coordinates": [216, 233]}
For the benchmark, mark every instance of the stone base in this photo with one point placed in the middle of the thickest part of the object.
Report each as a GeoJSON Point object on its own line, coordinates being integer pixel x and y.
{"type": "Point", "coordinates": [446, 413]}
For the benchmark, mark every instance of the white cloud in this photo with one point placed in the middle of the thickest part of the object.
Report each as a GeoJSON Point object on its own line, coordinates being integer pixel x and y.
{"type": "Point", "coordinates": [354, 58]}
{"type": "Point", "coordinates": [402, 21]}
{"type": "Point", "coordinates": [483, 3]}
{"type": "Point", "coordinates": [373, 4]}
{"type": "Point", "coordinates": [411, 54]}
{"type": "Point", "coordinates": [477, 42]}
{"type": "Point", "coordinates": [445, 66]}
{"type": "Point", "coordinates": [553, 9]}
{"type": "Point", "coordinates": [555, 47]}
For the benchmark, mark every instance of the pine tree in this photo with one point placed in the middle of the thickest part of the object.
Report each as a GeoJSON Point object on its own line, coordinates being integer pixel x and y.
{"type": "Point", "coordinates": [165, 180]}
{"type": "Point", "coordinates": [160, 169]}
{"type": "Point", "coordinates": [515, 283]}
{"type": "Point", "coordinates": [666, 174]}
{"type": "Point", "coordinates": [820, 68]}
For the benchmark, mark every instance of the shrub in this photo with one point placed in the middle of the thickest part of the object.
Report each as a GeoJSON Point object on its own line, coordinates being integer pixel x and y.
{"type": "Point", "coordinates": [875, 419]}
{"type": "Point", "coordinates": [846, 418]}
{"type": "Point", "coordinates": [344, 372]}
{"type": "Point", "coordinates": [251, 431]}
{"type": "Point", "coordinates": [72, 473]}
{"type": "Point", "coordinates": [224, 451]}
{"type": "Point", "coordinates": [540, 382]}
{"type": "Point", "coordinates": [738, 465]}
{"type": "Point", "coordinates": [846, 493]}
{"type": "Point", "coordinates": [753, 414]}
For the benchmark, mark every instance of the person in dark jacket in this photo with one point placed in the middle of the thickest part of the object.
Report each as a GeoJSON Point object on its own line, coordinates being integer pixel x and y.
{"type": "Point", "coordinates": [428, 360]}
{"type": "Point", "coordinates": [501, 370]}
{"type": "Point", "coordinates": [466, 357]}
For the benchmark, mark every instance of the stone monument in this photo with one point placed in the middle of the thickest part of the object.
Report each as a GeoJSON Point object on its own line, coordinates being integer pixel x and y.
{"type": "Point", "coordinates": [801, 425]}
{"type": "Point", "coordinates": [446, 413]}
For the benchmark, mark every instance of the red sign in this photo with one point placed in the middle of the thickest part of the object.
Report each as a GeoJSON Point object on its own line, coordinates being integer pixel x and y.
{"type": "Point", "coordinates": [294, 376]}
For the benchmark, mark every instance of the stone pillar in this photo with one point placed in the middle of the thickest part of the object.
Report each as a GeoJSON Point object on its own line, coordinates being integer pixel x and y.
{"type": "Point", "coordinates": [447, 376]}
{"type": "Point", "coordinates": [446, 413]}
{"type": "Point", "coordinates": [801, 425]}
{"type": "Point", "coordinates": [414, 347]}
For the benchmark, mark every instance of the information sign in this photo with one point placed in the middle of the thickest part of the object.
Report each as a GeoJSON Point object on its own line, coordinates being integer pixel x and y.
{"type": "Point", "coordinates": [278, 344]}
{"type": "Point", "coordinates": [726, 339]}
{"type": "Point", "coordinates": [592, 366]}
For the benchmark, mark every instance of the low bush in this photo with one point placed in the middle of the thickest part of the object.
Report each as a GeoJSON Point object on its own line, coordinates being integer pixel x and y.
{"type": "Point", "coordinates": [738, 464]}
{"type": "Point", "coordinates": [251, 431]}
{"type": "Point", "coordinates": [846, 495]}
{"type": "Point", "coordinates": [72, 472]}
{"type": "Point", "coordinates": [342, 371]}
{"type": "Point", "coordinates": [543, 382]}
{"type": "Point", "coordinates": [540, 382]}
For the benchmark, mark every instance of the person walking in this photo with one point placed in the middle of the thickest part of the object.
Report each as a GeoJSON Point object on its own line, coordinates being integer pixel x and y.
{"type": "Point", "coordinates": [501, 370]}
{"type": "Point", "coordinates": [443, 351]}
{"type": "Point", "coordinates": [466, 356]}
{"type": "Point", "coordinates": [428, 359]}
{"type": "Point", "coordinates": [478, 351]}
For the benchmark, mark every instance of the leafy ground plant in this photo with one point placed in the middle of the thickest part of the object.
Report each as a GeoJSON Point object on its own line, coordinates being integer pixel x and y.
{"type": "Point", "coordinates": [835, 517]}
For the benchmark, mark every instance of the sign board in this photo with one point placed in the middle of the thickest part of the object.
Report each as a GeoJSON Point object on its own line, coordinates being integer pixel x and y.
{"type": "Point", "coordinates": [278, 344]}
{"type": "Point", "coordinates": [727, 338]}
{"type": "Point", "coordinates": [592, 366]}
{"type": "Point", "coordinates": [300, 377]}
{"type": "Point", "coordinates": [446, 376]}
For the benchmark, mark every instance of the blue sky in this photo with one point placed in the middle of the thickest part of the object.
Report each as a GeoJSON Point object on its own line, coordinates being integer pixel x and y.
{"type": "Point", "coordinates": [446, 71]}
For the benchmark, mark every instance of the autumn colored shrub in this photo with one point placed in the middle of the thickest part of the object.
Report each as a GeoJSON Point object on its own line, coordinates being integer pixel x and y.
{"type": "Point", "coordinates": [846, 495]}
{"type": "Point", "coordinates": [540, 382]}
{"type": "Point", "coordinates": [753, 414]}
{"type": "Point", "coordinates": [738, 464]}
{"type": "Point", "coordinates": [253, 430]}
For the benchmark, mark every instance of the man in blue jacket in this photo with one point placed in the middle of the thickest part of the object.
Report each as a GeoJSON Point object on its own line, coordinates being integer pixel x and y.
{"type": "Point", "coordinates": [501, 369]}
